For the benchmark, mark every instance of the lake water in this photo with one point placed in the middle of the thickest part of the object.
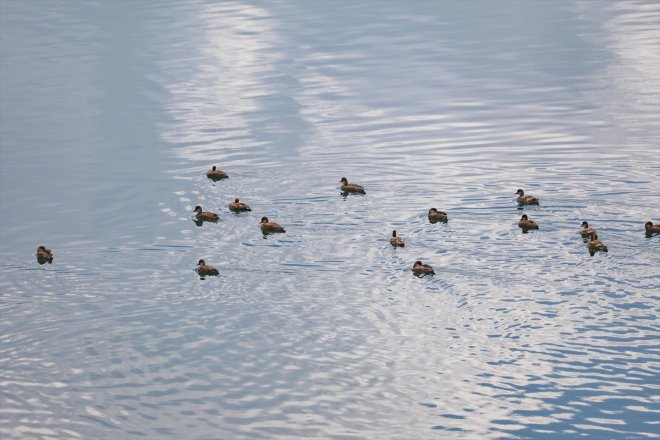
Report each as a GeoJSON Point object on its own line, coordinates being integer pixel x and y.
{"type": "Point", "coordinates": [111, 113]}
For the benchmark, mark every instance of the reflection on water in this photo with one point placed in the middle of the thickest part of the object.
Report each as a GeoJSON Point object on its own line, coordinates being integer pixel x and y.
{"type": "Point", "coordinates": [111, 117]}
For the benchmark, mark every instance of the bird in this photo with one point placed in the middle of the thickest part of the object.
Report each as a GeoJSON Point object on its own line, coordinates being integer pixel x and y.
{"type": "Point", "coordinates": [586, 231]}
{"type": "Point", "coordinates": [419, 268]}
{"type": "Point", "coordinates": [205, 216]}
{"type": "Point", "coordinates": [268, 226]}
{"type": "Point", "coordinates": [595, 244]}
{"type": "Point", "coordinates": [351, 187]}
{"type": "Point", "coordinates": [238, 206]}
{"type": "Point", "coordinates": [526, 200]}
{"type": "Point", "coordinates": [437, 216]}
{"type": "Point", "coordinates": [216, 174]}
{"type": "Point", "coordinates": [44, 255]}
{"type": "Point", "coordinates": [651, 228]}
{"type": "Point", "coordinates": [396, 241]}
{"type": "Point", "coordinates": [204, 269]}
{"type": "Point", "coordinates": [526, 224]}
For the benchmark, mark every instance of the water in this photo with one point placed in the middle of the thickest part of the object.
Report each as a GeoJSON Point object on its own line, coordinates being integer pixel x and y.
{"type": "Point", "coordinates": [111, 113]}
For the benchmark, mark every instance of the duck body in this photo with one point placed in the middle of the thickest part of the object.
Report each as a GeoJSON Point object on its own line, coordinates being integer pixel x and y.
{"type": "Point", "coordinates": [268, 227]}
{"type": "Point", "coordinates": [238, 206]}
{"type": "Point", "coordinates": [396, 241]}
{"type": "Point", "coordinates": [595, 245]}
{"type": "Point", "coordinates": [526, 200]}
{"type": "Point", "coordinates": [586, 230]}
{"type": "Point", "coordinates": [651, 229]}
{"type": "Point", "coordinates": [216, 174]}
{"type": "Point", "coordinates": [526, 224]}
{"type": "Point", "coordinates": [205, 216]}
{"type": "Point", "coordinates": [437, 216]}
{"type": "Point", "coordinates": [351, 187]}
{"type": "Point", "coordinates": [44, 255]}
{"type": "Point", "coordinates": [204, 269]}
{"type": "Point", "coordinates": [419, 268]}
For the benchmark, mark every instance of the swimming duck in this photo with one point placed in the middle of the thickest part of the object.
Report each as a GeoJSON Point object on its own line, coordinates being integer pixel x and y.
{"type": "Point", "coordinates": [238, 206]}
{"type": "Point", "coordinates": [526, 224]}
{"type": "Point", "coordinates": [268, 226]}
{"type": "Point", "coordinates": [419, 268]}
{"type": "Point", "coordinates": [651, 228]}
{"type": "Point", "coordinates": [44, 255]}
{"type": "Point", "coordinates": [437, 216]}
{"type": "Point", "coordinates": [216, 174]}
{"type": "Point", "coordinates": [586, 231]}
{"type": "Point", "coordinates": [351, 187]}
{"type": "Point", "coordinates": [526, 200]}
{"type": "Point", "coordinates": [596, 245]}
{"type": "Point", "coordinates": [396, 241]}
{"type": "Point", "coordinates": [204, 269]}
{"type": "Point", "coordinates": [205, 216]}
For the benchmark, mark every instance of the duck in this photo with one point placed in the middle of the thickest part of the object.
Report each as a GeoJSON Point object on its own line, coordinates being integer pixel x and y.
{"type": "Point", "coordinates": [238, 206]}
{"type": "Point", "coordinates": [205, 216]}
{"type": "Point", "coordinates": [526, 200]}
{"type": "Point", "coordinates": [586, 231]}
{"type": "Point", "coordinates": [204, 269]}
{"type": "Point", "coordinates": [351, 187]}
{"type": "Point", "coordinates": [420, 268]}
{"type": "Point", "coordinates": [437, 216]}
{"type": "Point", "coordinates": [651, 228]}
{"type": "Point", "coordinates": [216, 174]}
{"type": "Point", "coordinates": [526, 224]}
{"type": "Point", "coordinates": [44, 255]}
{"type": "Point", "coordinates": [396, 241]}
{"type": "Point", "coordinates": [268, 226]}
{"type": "Point", "coordinates": [595, 244]}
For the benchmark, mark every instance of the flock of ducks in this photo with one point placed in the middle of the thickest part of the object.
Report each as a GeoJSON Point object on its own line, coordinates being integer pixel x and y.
{"type": "Point", "coordinates": [268, 227]}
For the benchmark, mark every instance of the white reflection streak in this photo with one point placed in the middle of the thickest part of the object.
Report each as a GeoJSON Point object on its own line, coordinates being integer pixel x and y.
{"type": "Point", "coordinates": [218, 85]}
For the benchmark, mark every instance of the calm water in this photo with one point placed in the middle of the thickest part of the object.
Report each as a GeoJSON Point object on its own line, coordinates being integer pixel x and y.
{"type": "Point", "coordinates": [111, 112]}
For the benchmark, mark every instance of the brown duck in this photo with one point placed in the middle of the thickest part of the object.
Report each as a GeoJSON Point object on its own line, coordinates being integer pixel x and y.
{"type": "Point", "coordinates": [651, 228]}
{"type": "Point", "coordinates": [437, 216]}
{"type": "Point", "coordinates": [595, 245]}
{"type": "Point", "coordinates": [526, 200]}
{"type": "Point", "coordinates": [44, 255]}
{"type": "Point", "coordinates": [268, 226]}
{"type": "Point", "coordinates": [526, 224]}
{"type": "Point", "coordinates": [419, 268]}
{"type": "Point", "coordinates": [204, 269]}
{"type": "Point", "coordinates": [238, 206]}
{"type": "Point", "coordinates": [396, 241]}
{"type": "Point", "coordinates": [586, 230]}
{"type": "Point", "coordinates": [205, 216]}
{"type": "Point", "coordinates": [216, 174]}
{"type": "Point", "coordinates": [351, 187]}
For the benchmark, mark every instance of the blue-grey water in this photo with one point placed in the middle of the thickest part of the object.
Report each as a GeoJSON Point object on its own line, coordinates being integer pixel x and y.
{"type": "Point", "coordinates": [111, 113]}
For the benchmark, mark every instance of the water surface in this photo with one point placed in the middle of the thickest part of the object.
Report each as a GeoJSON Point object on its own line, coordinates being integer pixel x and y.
{"type": "Point", "coordinates": [111, 114]}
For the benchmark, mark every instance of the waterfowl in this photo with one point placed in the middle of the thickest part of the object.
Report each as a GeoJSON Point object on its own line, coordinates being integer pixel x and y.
{"type": "Point", "coordinates": [596, 245]}
{"type": "Point", "coordinates": [419, 268]}
{"type": "Point", "coordinates": [238, 206]}
{"type": "Point", "coordinates": [651, 228]}
{"type": "Point", "coordinates": [268, 226]}
{"type": "Point", "coordinates": [586, 231]}
{"type": "Point", "coordinates": [526, 200]}
{"type": "Point", "coordinates": [526, 224]}
{"type": "Point", "coordinates": [204, 269]}
{"type": "Point", "coordinates": [437, 216]}
{"type": "Point", "coordinates": [351, 187]}
{"type": "Point", "coordinates": [205, 216]}
{"type": "Point", "coordinates": [44, 255]}
{"type": "Point", "coordinates": [396, 241]}
{"type": "Point", "coordinates": [216, 174]}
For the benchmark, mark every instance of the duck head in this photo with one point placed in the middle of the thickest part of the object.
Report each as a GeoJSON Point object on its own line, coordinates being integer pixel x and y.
{"type": "Point", "coordinates": [201, 263]}
{"type": "Point", "coordinates": [264, 219]}
{"type": "Point", "coordinates": [41, 249]}
{"type": "Point", "coordinates": [585, 225]}
{"type": "Point", "coordinates": [393, 233]}
{"type": "Point", "coordinates": [524, 217]}
{"type": "Point", "coordinates": [520, 192]}
{"type": "Point", "coordinates": [197, 209]}
{"type": "Point", "coordinates": [236, 200]}
{"type": "Point", "coordinates": [344, 180]}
